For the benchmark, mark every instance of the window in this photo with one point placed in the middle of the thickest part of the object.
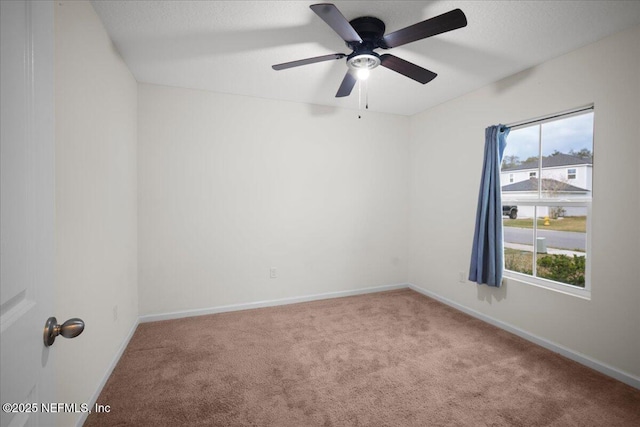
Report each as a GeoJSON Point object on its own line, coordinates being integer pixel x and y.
{"type": "Point", "coordinates": [548, 243]}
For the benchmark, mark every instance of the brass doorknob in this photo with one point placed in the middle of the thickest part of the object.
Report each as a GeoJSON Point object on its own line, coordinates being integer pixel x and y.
{"type": "Point", "coordinates": [69, 329]}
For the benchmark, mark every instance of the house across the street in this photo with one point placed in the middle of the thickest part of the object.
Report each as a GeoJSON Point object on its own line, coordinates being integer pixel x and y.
{"type": "Point", "coordinates": [563, 176]}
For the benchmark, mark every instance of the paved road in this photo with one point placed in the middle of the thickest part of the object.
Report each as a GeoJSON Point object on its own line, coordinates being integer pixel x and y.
{"type": "Point", "coordinates": [555, 239]}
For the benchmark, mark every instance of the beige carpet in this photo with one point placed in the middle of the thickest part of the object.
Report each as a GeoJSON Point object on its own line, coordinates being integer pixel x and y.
{"type": "Point", "coordinates": [387, 359]}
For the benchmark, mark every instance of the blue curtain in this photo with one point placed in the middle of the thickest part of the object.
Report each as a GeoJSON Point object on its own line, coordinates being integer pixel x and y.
{"type": "Point", "coordinates": [487, 257]}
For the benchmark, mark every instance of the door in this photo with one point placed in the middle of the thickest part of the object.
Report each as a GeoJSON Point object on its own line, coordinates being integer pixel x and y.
{"type": "Point", "coordinates": [26, 209]}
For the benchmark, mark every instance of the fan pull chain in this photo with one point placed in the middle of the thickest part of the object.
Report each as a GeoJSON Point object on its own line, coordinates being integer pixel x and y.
{"type": "Point", "coordinates": [366, 94]}
{"type": "Point", "coordinates": [359, 98]}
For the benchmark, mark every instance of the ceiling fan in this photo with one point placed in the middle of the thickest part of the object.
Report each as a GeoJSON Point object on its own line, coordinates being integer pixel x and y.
{"type": "Point", "coordinates": [365, 34]}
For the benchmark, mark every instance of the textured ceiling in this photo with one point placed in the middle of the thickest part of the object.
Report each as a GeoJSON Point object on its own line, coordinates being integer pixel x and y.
{"type": "Point", "coordinates": [229, 46]}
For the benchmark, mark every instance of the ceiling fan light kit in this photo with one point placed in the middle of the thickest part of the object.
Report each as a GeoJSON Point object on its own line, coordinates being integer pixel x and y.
{"type": "Point", "coordinates": [365, 34]}
{"type": "Point", "coordinates": [363, 63]}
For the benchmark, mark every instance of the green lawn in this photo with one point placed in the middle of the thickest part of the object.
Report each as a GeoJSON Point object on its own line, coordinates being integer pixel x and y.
{"type": "Point", "coordinates": [569, 223]}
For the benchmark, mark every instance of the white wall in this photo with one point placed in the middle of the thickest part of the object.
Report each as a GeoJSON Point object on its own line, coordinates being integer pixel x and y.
{"type": "Point", "coordinates": [606, 328]}
{"type": "Point", "coordinates": [230, 186]}
{"type": "Point", "coordinates": [96, 214]}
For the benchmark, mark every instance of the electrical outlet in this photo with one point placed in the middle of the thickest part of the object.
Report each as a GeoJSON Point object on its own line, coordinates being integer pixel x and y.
{"type": "Point", "coordinates": [273, 273]}
{"type": "Point", "coordinates": [462, 277]}
{"type": "Point", "coordinates": [115, 313]}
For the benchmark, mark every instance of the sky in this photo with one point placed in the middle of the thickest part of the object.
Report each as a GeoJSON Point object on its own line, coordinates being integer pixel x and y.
{"type": "Point", "coordinates": [574, 132]}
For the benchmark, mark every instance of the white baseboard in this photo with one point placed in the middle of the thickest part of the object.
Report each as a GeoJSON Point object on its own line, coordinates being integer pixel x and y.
{"type": "Point", "coordinates": [604, 368]}
{"type": "Point", "coordinates": [268, 303]}
{"type": "Point", "coordinates": [107, 374]}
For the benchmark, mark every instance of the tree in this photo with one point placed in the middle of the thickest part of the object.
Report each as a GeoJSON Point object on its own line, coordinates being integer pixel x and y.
{"type": "Point", "coordinates": [552, 188]}
{"type": "Point", "coordinates": [583, 153]}
{"type": "Point", "coordinates": [510, 161]}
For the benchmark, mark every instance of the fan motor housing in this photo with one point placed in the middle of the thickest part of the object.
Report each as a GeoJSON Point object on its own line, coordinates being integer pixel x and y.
{"type": "Point", "coordinates": [370, 30]}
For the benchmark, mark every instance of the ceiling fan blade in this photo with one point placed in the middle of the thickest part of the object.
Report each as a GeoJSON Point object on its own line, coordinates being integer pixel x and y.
{"type": "Point", "coordinates": [332, 16]}
{"type": "Point", "coordinates": [308, 61]}
{"type": "Point", "coordinates": [440, 24]}
{"type": "Point", "coordinates": [347, 85]}
{"type": "Point", "coordinates": [407, 68]}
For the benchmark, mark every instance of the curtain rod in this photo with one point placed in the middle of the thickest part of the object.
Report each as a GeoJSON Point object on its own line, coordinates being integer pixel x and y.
{"type": "Point", "coordinates": [546, 118]}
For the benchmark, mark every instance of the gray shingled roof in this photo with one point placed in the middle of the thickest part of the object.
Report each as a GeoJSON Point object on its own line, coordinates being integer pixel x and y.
{"type": "Point", "coordinates": [531, 184]}
{"type": "Point", "coordinates": [558, 160]}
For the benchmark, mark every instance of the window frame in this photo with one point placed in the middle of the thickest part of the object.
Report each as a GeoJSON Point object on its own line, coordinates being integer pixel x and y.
{"type": "Point", "coordinates": [574, 173]}
{"type": "Point", "coordinates": [541, 201]}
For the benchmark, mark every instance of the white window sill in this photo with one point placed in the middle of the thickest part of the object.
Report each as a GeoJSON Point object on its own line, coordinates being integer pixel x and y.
{"type": "Point", "coordinates": [547, 284]}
